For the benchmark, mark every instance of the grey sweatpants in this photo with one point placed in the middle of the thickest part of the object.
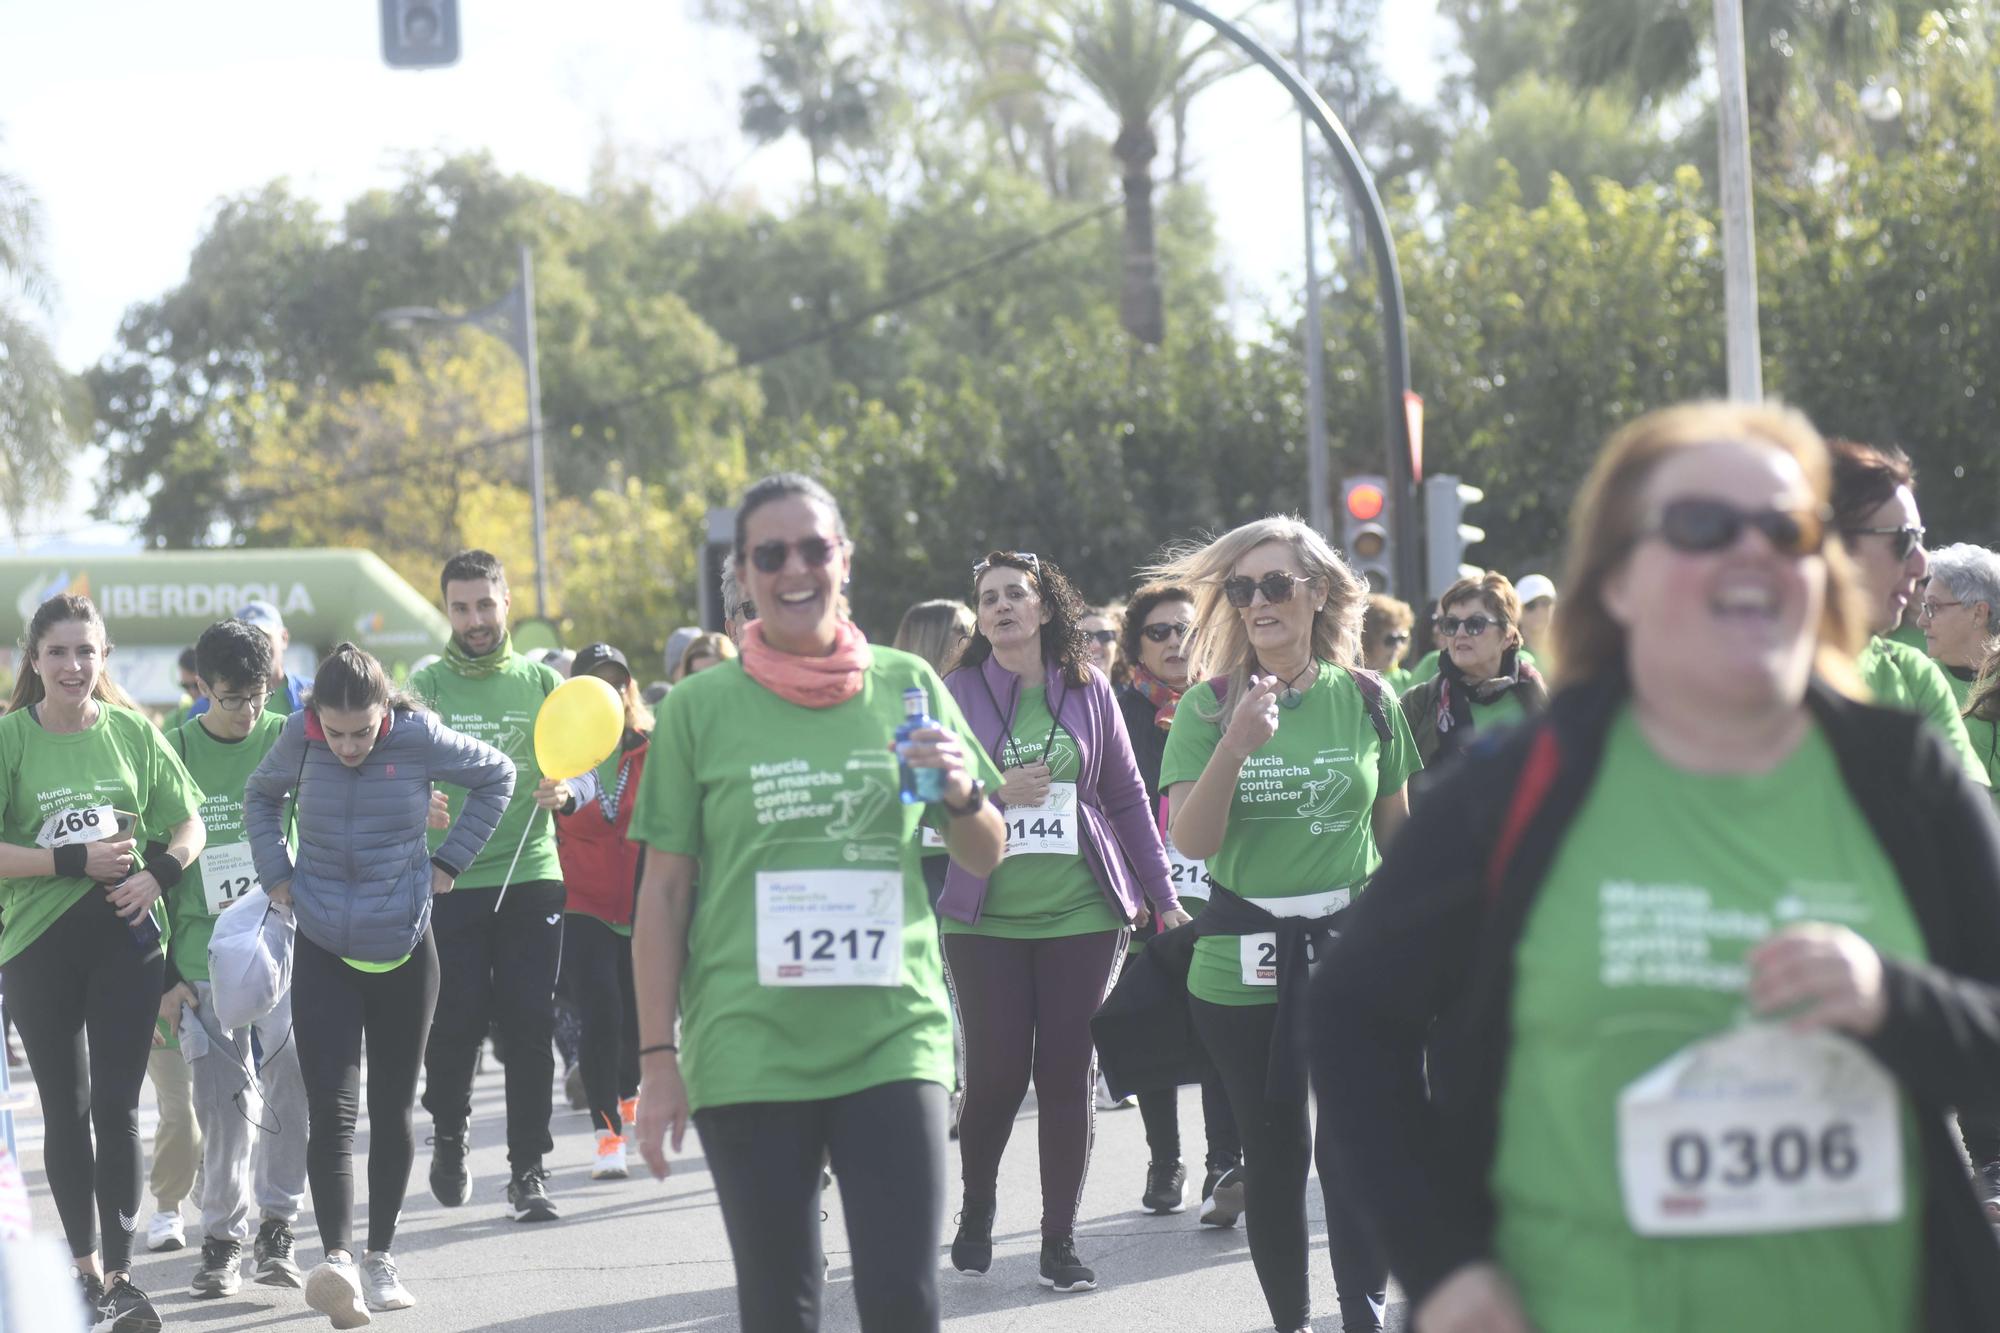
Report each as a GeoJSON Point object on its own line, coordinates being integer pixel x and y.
{"type": "Point", "coordinates": [253, 1123]}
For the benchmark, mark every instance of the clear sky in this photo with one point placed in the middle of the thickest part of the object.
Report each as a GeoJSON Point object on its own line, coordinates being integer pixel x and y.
{"type": "Point", "coordinates": [130, 118]}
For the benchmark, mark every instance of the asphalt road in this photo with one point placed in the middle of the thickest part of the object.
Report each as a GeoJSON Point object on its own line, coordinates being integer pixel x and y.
{"type": "Point", "coordinates": [638, 1255]}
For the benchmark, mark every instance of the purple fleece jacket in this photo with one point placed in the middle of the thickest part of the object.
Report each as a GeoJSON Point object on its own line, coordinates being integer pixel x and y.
{"type": "Point", "coordinates": [1121, 842]}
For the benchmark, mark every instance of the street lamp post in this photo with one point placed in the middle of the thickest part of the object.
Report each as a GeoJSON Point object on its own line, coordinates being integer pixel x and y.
{"type": "Point", "coordinates": [511, 319]}
{"type": "Point", "coordinates": [1375, 222]}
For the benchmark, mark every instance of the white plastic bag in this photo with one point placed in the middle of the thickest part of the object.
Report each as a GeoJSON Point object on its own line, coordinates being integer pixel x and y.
{"type": "Point", "coordinates": [250, 959]}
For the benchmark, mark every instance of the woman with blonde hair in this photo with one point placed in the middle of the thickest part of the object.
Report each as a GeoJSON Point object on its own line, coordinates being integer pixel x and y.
{"type": "Point", "coordinates": [1285, 771]}
{"type": "Point", "coordinates": [1653, 1016]}
{"type": "Point", "coordinates": [936, 631]}
{"type": "Point", "coordinates": [704, 651]}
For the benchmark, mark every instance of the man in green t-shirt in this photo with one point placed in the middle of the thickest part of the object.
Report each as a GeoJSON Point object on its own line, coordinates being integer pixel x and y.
{"type": "Point", "coordinates": [499, 933]}
{"type": "Point", "coordinates": [221, 748]}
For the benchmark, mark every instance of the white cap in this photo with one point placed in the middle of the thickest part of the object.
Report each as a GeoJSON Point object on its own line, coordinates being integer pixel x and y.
{"type": "Point", "coordinates": [1535, 587]}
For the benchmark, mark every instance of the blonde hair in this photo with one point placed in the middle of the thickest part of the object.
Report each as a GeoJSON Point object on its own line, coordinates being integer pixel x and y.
{"type": "Point", "coordinates": [1608, 519]}
{"type": "Point", "coordinates": [1218, 644]}
{"type": "Point", "coordinates": [936, 631]}
{"type": "Point", "coordinates": [719, 646]}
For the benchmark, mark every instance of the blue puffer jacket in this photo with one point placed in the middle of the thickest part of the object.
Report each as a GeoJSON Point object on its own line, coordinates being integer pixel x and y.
{"type": "Point", "coordinates": [361, 887]}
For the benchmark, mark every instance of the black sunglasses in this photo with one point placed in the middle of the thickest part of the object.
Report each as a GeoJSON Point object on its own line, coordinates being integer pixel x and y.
{"type": "Point", "coordinates": [1696, 525]}
{"type": "Point", "coordinates": [769, 557]}
{"type": "Point", "coordinates": [1396, 639]}
{"type": "Point", "coordinates": [1276, 586]}
{"type": "Point", "coordinates": [1164, 630]}
{"type": "Point", "coordinates": [1028, 558]}
{"type": "Point", "coordinates": [1106, 637]}
{"type": "Point", "coordinates": [1904, 539]}
{"type": "Point", "coordinates": [1449, 626]}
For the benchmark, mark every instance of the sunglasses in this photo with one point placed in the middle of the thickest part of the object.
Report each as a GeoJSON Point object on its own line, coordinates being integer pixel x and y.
{"type": "Point", "coordinates": [1165, 630]}
{"type": "Point", "coordinates": [1028, 558]}
{"type": "Point", "coordinates": [1396, 640]}
{"type": "Point", "coordinates": [1695, 526]}
{"type": "Point", "coordinates": [1449, 626]}
{"type": "Point", "coordinates": [1903, 540]}
{"type": "Point", "coordinates": [1107, 637]}
{"type": "Point", "coordinates": [770, 557]}
{"type": "Point", "coordinates": [1277, 586]}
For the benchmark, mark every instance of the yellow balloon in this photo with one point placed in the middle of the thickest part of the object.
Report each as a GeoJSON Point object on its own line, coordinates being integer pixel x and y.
{"type": "Point", "coordinates": [579, 727]}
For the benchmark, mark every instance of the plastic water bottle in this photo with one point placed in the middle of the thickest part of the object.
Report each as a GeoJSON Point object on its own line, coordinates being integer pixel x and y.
{"type": "Point", "coordinates": [920, 785]}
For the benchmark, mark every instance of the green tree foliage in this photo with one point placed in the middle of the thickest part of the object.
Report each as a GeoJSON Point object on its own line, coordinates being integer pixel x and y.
{"type": "Point", "coordinates": [812, 89]}
{"type": "Point", "coordinates": [42, 413]}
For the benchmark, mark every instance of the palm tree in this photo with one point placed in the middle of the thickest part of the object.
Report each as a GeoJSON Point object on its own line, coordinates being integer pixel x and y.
{"type": "Point", "coordinates": [38, 399]}
{"type": "Point", "coordinates": [826, 99]}
{"type": "Point", "coordinates": [1140, 59]}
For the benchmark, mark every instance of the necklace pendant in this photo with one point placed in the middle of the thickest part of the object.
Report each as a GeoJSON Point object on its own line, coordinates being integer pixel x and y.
{"type": "Point", "coordinates": [1290, 698]}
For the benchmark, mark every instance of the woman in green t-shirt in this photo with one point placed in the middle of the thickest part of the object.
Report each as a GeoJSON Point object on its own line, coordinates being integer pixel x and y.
{"type": "Point", "coordinates": [1653, 1017]}
{"type": "Point", "coordinates": [1484, 679]}
{"type": "Point", "coordinates": [1386, 627]}
{"type": "Point", "coordinates": [1285, 770]}
{"type": "Point", "coordinates": [97, 819]}
{"type": "Point", "coordinates": [806, 970]}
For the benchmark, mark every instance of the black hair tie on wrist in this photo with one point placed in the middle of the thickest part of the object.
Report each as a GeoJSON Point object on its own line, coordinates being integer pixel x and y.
{"type": "Point", "coordinates": [165, 870]}
{"type": "Point", "coordinates": [663, 1046]}
{"type": "Point", "coordinates": [73, 861]}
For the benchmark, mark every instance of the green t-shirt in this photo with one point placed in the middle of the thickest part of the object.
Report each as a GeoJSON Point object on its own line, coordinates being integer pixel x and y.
{"type": "Point", "coordinates": [762, 792]}
{"type": "Point", "coordinates": [122, 761]}
{"type": "Point", "coordinates": [1984, 734]}
{"type": "Point", "coordinates": [1903, 677]}
{"type": "Point", "coordinates": [1635, 949]}
{"type": "Point", "coordinates": [1300, 823]}
{"type": "Point", "coordinates": [1398, 679]}
{"type": "Point", "coordinates": [1506, 711]}
{"type": "Point", "coordinates": [499, 709]}
{"type": "Point", "coordinates": [1040, 896]}
{"type": "Point", "coordinates": [221, 769]}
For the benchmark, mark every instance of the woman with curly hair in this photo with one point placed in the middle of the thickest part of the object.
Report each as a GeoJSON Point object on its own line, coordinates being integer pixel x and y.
{"type": "Point", "coordinates": [1032, 950]}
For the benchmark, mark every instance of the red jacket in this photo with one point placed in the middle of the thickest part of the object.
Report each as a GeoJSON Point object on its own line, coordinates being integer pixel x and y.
{"type": "Point", "coordinates": [600, 867]}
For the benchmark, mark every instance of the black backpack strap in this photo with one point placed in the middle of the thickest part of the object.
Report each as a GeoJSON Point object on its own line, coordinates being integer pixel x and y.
{"type": "Point", "coordinates": [1375, 694]}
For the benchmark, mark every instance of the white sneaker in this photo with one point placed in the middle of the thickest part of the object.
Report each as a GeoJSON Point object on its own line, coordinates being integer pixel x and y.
{"type": "Point", "coordinates": [610, 1163]}
{"type": "Point", "coordinates": [166, 1231]}
{"type": "Point", "coordinates": [381, 1284]}
{"type": "Point", "coordinates": [334, 1289]}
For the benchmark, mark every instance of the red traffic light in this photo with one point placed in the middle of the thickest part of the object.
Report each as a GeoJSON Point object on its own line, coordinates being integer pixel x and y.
{"type": "Point", "coordinates": [1365, 502]}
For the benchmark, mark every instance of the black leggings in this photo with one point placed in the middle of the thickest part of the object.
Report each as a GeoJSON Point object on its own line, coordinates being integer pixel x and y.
{"type": "Point", "coordinates": [1161, 1110]}
{"type": "Point", "coordinates": [597, 971]}
{"type": "Point", "coordinates": [1277, 1144]}
{"type": "Point", "coordinates": [83, 976]}
{"type": "Point", "coordinates": [333, 1006]}
{"type": "Point", "coordinates": [887, 1146]}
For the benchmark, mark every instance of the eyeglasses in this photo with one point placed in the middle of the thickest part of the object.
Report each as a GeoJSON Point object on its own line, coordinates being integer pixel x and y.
{"type": "Point", "coordinates": [770, 557]}
{"type": "Point", "coordinates": [1697, 525]}
{"type": "Point", "coordinates": [1028, 558]}
{"type": "Point", "coordinates": [1396, 640]}
{"type": "Point", "coordinates": [1906, 538]}
{"type": "Point", "coordinates": [1107, 637]}
{"type": "Point", "coordinates": [1449, 626]}
{"type": "Point", "coordinates": [1165, 629]}
{"type": "Point", "coordinates": [1277, 586]}
{"type": "Point", "coordinates": [1927, 610]}
{"type": "Point", "coordinates": [236, 703]}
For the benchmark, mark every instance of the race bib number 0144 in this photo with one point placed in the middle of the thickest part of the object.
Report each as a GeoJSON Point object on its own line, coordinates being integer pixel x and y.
{"type": "Point", "coordinates": [1045, 829]}
{"type": "Point", "coordinates": [1761, 1130]}
{"type": "Point", "coordinates": [830, 928]}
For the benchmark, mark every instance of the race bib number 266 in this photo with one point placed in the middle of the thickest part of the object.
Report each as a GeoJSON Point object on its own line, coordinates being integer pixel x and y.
{"type": "Point", "coordinates": [67, 828]}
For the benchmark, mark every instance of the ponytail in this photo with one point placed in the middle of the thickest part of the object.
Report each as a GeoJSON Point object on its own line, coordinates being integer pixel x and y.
{"type": "Point", "coordinates": [28, 686]}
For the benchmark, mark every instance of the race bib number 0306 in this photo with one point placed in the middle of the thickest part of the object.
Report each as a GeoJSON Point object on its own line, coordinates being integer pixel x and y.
{"type": "Point", "coordinates": [1045, 829]}
{"type": "Point", "coordinates": [830, 928]}
{"type": "Point", "coordinates": [1761, 1130]}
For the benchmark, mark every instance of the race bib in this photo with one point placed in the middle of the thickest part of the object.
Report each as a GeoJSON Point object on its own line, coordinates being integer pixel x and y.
{"type": "Point", "coordinates": [932, 838]}
{"type": "Point", "coordinates": [1048, 829]}
{"type": "Point", "coordinates": [227, 873]}
{"type": "Point", "coordinates": [1190, 877]}
{"type": "Point", "coordinates": [67, 828]}
{"type": "Point", "coordinates": [1761, 1130]}
{"type": "Point", "coordinates": [1257, 955]}
{"type": "Point", "coordinates": [829, 927]}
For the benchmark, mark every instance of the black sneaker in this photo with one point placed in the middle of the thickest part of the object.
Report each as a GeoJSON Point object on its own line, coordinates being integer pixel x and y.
{"type": "Point", "coordinates": [221, 1271]}
{"type": "Point", "coordinates": [528, 1196]}
{"type": "Point", "coordinates": [450, 1181]}
{"type": "Point", "coordinates": [1224, 1203]}
{"type": "Point", "coordinates": [125, 1309]}
{"type": "Point", "coordinates": [90, 1288]}
{"type": "Point", "coordinates": [1062, 1270]}
{"type": "Point", "coordinates": [972, 1247]}
{"type": "Point", "coordinates": [1166, 1188]}
{"type": "Point", "coordinates": [273, 1252]}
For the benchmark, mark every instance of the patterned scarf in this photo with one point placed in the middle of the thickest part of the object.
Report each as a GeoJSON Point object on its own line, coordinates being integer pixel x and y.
{"type": "Point", "coordinates": [472, 668]}
{"type": "Point", "coordinates": [1164, 697]}
{"type": "Point", "coordinates": [809, 682]}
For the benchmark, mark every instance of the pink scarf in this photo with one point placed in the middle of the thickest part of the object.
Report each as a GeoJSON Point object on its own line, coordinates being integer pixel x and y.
{"type": "Point", "coordinates": [809, 682]}
{"type": "Point", "coordinates": [1164, 697]}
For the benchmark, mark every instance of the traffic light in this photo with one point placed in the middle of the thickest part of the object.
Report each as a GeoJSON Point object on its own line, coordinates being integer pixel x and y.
{"type": "Point", "coordinates": [1446, 533]}
{"type": "Point", "coordinates": [1364, 530]}
{"type": "Point", "coordinates": [419, 34]}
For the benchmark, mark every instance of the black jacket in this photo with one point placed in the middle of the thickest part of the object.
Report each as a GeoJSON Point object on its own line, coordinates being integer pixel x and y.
{"type": "Point", "coordinates": [1149, 739]}
{"type": "Point", "coordinates": [1421, 980]}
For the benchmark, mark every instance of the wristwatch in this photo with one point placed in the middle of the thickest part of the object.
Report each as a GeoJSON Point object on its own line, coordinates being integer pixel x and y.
{"type": "Point", "coordinates": [974, 803]}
